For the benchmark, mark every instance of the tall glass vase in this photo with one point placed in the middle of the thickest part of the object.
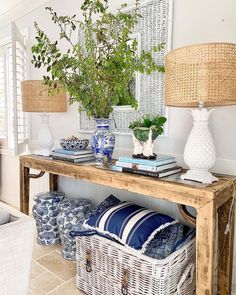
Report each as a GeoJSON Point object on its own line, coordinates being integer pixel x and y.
{"type": "Point", "coordinates": [103, 141]}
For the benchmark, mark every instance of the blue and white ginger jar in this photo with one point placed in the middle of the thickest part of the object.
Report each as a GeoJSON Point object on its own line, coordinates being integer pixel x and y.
{"type": "Point", "coordinates": [45, 211]}
{"type": "Point", "coordinates": [72, 212]}
{"type": "Point", "coordinates": [103, 141]}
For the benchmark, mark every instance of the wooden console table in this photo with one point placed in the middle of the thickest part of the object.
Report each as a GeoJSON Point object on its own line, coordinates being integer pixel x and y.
{"type": "Point", "coordinates": [212, 202]}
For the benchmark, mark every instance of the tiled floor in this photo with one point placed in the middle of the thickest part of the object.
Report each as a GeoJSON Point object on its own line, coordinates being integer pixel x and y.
{"type": "Point", "coordinates": [51, 274]}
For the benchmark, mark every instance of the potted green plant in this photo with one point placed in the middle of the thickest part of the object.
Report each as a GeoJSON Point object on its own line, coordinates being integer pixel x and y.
{"type": "Point", "coordinates": [96, 72]}
{"type": "Point", "coordinates": [145, 131]}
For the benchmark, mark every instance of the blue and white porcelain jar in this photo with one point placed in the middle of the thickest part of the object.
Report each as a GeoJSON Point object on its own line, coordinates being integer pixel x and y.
{"type": "Point", "coordinates": [71, 212]}
{"type": "Point", "coordinates": [103, 141]}
{"type": "Point", "coordinates": [45, 211]}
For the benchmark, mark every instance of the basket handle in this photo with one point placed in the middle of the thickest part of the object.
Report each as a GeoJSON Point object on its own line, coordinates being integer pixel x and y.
{"type": "Point", "coordinates": [124, 283]}
{"type": "Point", "coordinates": [188, 274]}
{"type": "Point", "coordinates": [88, 261]}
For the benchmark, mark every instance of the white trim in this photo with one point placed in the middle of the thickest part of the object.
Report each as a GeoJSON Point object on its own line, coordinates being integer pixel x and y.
{"type": "Point", "coordinates": [169, 48]}
{"type": "Point", "coordinates": [132, 6]}
{"type": "Point", "coordinates": [20, 10]}
{"type": "Point", "coordinates": [14, 78]}
{"type": "Point", "coordinates": [170, 25]}
{"type": "Point", "coordinates": [126, 108]}
{"type": "Point", "coordinates": [7, 152]}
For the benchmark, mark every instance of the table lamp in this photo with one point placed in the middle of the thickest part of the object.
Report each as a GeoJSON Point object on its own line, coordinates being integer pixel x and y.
{"type": "Point", "coordinates": [37, 97]}
{"type": "Point", "coordinates": [202, 75]}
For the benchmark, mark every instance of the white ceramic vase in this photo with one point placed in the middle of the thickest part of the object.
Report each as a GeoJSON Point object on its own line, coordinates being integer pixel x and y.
{"type": "Point", "coordinates": [199, 152]}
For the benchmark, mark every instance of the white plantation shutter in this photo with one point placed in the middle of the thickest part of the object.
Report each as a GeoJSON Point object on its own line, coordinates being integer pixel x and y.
{"type": "Point", "coordinates": [3, 107]}
{"type": "Point", "coordinates": [13, 69]}
{"type": "Point", "coordinates": [19, 73]}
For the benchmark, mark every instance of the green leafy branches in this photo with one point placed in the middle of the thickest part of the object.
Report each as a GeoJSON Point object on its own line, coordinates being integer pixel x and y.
{"type": "Point", "coordinates": [98, 70]}
{"type": "Point", "coordinates": [142, 126]}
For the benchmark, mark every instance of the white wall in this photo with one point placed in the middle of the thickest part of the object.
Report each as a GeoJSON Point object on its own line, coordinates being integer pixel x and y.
{"type": "Point", "coordinates": [194, 22]}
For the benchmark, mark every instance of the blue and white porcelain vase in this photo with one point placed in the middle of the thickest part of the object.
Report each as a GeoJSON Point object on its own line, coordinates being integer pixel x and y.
{"type": "Point", "coordinates": [103, 141]}
{"type": "Point", "coordinates": [71, 212]}
{"type": "Point", "coordinates": [45, 211]}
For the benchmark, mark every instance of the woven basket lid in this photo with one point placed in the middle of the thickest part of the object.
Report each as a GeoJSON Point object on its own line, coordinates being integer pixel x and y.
{"type": "Point", "coordinates": [201, 73]}
{"type": "Point", "coordinates": [36, 97]}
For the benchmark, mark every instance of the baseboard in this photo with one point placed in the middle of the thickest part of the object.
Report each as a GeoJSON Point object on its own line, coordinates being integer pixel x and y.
{"type": "Point", "coordinates": [5, 201]}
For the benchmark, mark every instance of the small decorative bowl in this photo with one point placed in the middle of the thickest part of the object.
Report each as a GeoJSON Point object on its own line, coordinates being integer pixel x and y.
{"type": "Point", "coordinates": [74, 144]}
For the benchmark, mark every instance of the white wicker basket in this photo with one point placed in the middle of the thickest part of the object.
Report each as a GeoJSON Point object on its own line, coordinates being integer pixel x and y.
{"type": "Point", "coordinates": [108, 268]}
{"type": "Point", "coordinates": [16, 245]}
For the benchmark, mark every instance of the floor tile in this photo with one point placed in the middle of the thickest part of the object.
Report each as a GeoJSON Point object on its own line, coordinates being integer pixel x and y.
{"type": "Point", "coordinates": [40, 250]}
{"type": "Point", "coordinates": [68, 288]}
{"type": "Point", "coordinates": [62, 268]}
{"type": "Point", "coordinates": [44, 283]}
{"type": "Point", "coordinates": [36, 270]}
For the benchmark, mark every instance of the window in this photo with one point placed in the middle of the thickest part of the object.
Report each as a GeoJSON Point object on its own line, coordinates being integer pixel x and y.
{"type": "Point", "coordinates": [13, 69]}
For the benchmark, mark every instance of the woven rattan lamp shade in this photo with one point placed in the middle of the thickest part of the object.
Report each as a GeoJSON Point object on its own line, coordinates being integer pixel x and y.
{"type": "Point", "coordinates": [201, 73]}
{"type": "Point", "coordinates": [35, 98]}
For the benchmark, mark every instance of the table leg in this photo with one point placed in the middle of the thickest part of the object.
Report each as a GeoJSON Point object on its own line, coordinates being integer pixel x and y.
{"type": "Point", "coordinates": [53, 182]}
{"type": "Point", "coordinates": [206, 250]}
{"type": "Point", "coordinates": [225, 248]}
{"type": "Point", "coordinates": [24, 189]}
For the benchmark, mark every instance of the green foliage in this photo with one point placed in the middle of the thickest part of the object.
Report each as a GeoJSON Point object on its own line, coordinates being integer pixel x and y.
{"type": "Point", "coordinates": [97, 73]}
{"type": "Point", "coordinates": [142, 126]}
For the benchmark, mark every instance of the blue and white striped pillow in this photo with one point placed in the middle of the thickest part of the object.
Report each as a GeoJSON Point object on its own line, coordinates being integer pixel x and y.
{"type": "Point", "coordinates": [130, 224]}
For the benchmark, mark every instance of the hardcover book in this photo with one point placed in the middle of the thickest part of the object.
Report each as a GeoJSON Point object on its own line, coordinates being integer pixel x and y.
{"type": "Point", "coordinates": [71, 156]}
{"type": "Point", "coordinates": [77, 160]}
{"type": "Point", "coordinates": [73, 153]}
{"type": "Point", "coordinates": [161, 174]}
{"type": "Point", "coordinates": [160, 160]}
{"type": "Point", "coordinates": [146, 167]}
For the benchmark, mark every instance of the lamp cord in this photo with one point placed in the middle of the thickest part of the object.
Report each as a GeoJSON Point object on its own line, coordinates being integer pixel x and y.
{"type": "Point", "coordinates": [228, 225]}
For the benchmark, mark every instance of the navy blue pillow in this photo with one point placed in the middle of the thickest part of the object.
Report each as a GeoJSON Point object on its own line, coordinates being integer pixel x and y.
{"type": "Point", "coordinates": [130, 224]}
{"type": "Point", "coordinates": [107, 203]}
{"type": "Point", "coordinates": [164, 242]}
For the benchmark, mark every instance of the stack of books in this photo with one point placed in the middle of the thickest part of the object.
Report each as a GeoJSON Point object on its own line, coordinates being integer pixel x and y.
{"type": "Point", "coordinates": [74, 156]}
{"type": "Point", "coordinates": [162, 166]}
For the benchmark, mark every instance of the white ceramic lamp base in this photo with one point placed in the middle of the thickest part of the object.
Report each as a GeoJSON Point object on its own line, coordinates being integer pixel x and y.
{"type": "Point", "coordinates": [45, 137]}
{"type": "Point", "coordinates": [199, 176]}
{"type": "Point", "coordinates": [199, 152]}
